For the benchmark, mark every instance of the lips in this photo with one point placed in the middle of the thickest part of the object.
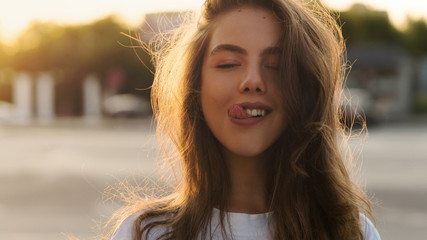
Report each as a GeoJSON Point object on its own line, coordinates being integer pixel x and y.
{"type": "Point", "coordinates": [248, 110]}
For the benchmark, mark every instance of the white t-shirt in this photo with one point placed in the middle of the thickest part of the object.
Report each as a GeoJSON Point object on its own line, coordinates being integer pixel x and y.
{"type": "Point", "coordinates": [243, 226]}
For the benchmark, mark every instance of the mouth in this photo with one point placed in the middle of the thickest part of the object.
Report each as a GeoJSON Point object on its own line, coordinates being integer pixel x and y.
{"type": "Point", "coordinates": [255, 112]}
{"type": "Point", "coordinates": [249, 110]}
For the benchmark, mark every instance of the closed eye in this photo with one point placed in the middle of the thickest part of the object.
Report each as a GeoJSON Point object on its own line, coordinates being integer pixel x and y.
{"type": "Point", "coordinates": [225, 66]}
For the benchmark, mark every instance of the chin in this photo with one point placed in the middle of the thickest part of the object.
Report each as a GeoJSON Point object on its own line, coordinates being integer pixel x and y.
{"type": "Point", "coordinates": [248, 151]}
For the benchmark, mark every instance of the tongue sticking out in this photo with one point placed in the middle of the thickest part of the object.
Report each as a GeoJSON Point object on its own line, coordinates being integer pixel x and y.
{"type": "Point", "coordinates": [237, 111]}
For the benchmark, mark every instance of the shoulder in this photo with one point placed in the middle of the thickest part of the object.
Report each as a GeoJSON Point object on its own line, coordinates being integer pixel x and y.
{"type": "Point", "coordinates": [369, 230]}
{"type": "Point", "coordinates": [125, 229]}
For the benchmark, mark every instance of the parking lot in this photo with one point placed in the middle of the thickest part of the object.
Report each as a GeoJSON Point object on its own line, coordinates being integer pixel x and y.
{"type": "Point", "coordinates": [53, 178]}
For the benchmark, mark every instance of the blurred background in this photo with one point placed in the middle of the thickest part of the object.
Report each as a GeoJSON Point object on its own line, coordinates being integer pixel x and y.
{"type": "Point", "coordinates": [75, 116]}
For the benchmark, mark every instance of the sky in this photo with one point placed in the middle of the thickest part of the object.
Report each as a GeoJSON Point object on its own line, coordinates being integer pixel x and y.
{"type": "Point", "coordinates": [15, 15]}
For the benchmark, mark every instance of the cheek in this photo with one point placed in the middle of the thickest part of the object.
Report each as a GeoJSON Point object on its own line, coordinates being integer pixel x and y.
{"type": "Point", "coordinates": [215, 93]}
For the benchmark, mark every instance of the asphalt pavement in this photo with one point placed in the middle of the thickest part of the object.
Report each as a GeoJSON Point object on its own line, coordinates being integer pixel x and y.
{"type": "Point", "coordinates": [54, 177]}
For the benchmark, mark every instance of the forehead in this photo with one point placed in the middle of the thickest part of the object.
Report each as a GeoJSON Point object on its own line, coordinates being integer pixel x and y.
{"type": "Point", "coordinates": [248, 27]}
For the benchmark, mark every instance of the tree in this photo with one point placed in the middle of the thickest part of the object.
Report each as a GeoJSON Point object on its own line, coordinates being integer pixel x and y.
{"type": "Point", "coordinates": [416, 37]}
{"type": "Point", "coordinates": [361, 24]}
{"type": "Point", "coordinates": [76, 51]}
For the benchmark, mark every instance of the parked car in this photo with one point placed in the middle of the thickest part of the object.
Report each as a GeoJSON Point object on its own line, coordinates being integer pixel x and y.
{"type": "Point", "coordinates": [127, 105]}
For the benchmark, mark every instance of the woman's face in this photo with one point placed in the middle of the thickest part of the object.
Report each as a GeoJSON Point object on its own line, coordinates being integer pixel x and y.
{"type": "Point", "coordinates": [240, 98]}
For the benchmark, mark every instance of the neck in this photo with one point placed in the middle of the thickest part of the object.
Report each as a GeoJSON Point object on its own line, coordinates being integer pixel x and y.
{"type": "Point", "coordinates": [248, 183]}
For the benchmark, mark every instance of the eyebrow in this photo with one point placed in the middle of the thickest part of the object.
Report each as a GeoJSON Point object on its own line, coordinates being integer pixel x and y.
{"type": "Point", "coordinates": [239, 50]}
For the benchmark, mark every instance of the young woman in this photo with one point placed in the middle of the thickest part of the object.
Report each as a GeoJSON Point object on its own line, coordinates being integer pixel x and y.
{"type": "Point", "coordinates": [249, 96]}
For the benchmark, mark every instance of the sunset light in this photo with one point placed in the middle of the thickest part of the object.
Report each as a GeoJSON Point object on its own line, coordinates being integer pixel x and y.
{"type": "Point", "coordinates": [173, 115]}
{"type": "Point", "coordinates": [16, 15]}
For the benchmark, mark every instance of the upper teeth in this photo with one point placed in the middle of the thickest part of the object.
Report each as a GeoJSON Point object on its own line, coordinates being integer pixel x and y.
{"type": "Point", "coordinates": [255, 112]}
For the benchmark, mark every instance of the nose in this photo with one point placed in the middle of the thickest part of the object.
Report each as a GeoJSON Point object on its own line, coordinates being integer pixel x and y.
{"type": "Point", "coordinates": [253, 82]}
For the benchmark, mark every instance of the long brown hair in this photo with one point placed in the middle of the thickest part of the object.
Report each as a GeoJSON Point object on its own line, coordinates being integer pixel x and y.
{"type": "Point", "coordinates": [310, 191]}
